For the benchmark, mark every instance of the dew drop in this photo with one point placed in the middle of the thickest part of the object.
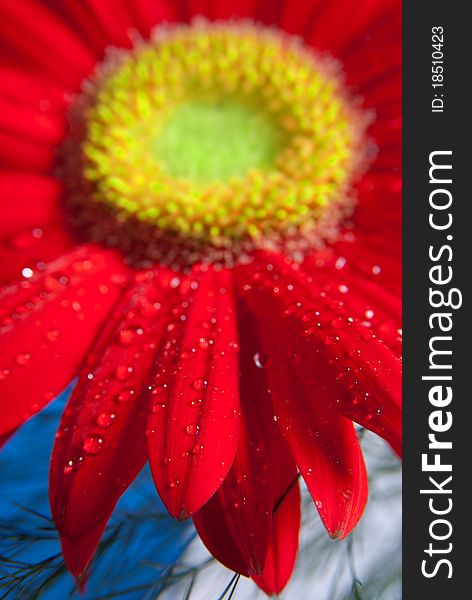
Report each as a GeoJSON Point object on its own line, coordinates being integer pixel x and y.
{"type": "Point", "coordinates": [174, 484]}
{"type": "Point", "coordinates": [73, 464]}
{"type": "Point", "coordinates": [23, 359]}
{"type": "Point", "coordinates": [54, 282]}
{"type": "Point", "coordinates": [197, 449]}
{"type": "Point", "coordinates": [257, 360]}
{"type": "Point", "coordinates": [93, 444]}
{"type": "Point", "coordinates": [149, 309]}
{"type": "Point", "coordinates": [123, 372]}
{"type": "Point", "coordinates": [124, 396]}
{"type": "Point", "coordinates": [204, 343]}
{"type": "Point", "coordinates": [192, 429]}
{"type": "Point", "coordinates": [233, 347]}
{"type": "Point", "coordinates": [106, 419]}
{"type": "Point", "coordinates": [199, 384]}
{"type": "Point", "coordinates": [130, 335]}
{"type": "Point", "coordinates": [340, 263]}
{"type": "Point", "coordinates": [4, 374]}
{"type": "Point", "coordinates": [158, 408]}
{"type": "Point", "coordinates": [339, 323]}
{"type": "Point", "coordinates": [52, 336]}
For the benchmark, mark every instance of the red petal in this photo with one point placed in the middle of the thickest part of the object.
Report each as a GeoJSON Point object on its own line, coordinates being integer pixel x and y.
{"type": "Point", "coordinates": [48, 324]}
{"type": "Point", "coordinates": [101, 442]}
{"type": "Point", "coordinates": [39, 36]}
{"type": "Point", "coordinates": [223, 9]}
{"type": "Point", "coordinates": [25, 155]}
{"type": "Point", "coordinates": [146, 15]}
{"type": "Point", "coordinates": [333, 33]}
{"type": "Point", "coordinates": [193, 427]}
{"type": "Point", "coordinates": [31, 228]}
{"type": "Point", "coordinates": [31, 90]}
{"type": "Point", "coordinates": [113, 19]}
{"type": "Point", "coordinates": [31, 123]}
{"type": "Point", "coordinates": [340, 360]}
{"type": "Point", "coordinates": [243, 504]}
{"type": "Point", "coordinates": [236, 523]}
{"type": "Point", "coordinates": [325, 448]}
{"type": "Point", "coordinates": [371, 305]}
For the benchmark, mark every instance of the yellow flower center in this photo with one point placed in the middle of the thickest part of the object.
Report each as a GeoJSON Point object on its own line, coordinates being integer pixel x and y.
{"type": "Point", "coordinates": [221, 136]}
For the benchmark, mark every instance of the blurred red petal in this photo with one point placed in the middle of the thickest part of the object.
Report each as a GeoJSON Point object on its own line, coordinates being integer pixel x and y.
{"type": "Point", "coordinates": [48, 324]}
{"type": "Point", "coordinates": [38, 44]}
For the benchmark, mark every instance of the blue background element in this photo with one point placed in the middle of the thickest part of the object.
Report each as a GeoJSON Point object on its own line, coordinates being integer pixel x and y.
{"type": "Point", "coordinates": [138, 554]}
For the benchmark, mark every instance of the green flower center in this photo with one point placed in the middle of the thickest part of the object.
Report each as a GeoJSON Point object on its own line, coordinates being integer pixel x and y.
{"type": "Point", "coordinates": [207, 142]}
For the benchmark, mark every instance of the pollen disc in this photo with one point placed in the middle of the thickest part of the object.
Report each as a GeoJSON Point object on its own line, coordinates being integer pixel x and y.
{"type": "Point", "coordinates": [210, 140]}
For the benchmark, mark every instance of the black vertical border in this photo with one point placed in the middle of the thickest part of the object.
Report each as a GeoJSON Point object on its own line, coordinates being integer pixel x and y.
{"type": "Point", "coordinates": [423, 133]}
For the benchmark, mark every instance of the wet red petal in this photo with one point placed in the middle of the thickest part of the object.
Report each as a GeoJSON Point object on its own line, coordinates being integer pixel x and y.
{"type": "Point", "coordinates": [236, 524]}
{"type": "Point", "coordinates": [339, 360]}
{"type": "Point", "coordinates": [369, 303]}
{"type": "Point", "coordinates": [193, 427]}
{"type": "Point", "coordinates": [283, 546]}
{"type": "Point", "coordinates": [48, 323]}
{"type": "Point", "coordinates": [325, 448]}
{"type": "Point", "coordinates": [101, 442]}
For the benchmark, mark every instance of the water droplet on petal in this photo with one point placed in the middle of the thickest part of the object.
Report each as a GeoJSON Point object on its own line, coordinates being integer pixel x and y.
{"type": "Point", "coordinates": [199, 384]}
{"type": "Point", "coordinates": [23, 359]}
{"type": "Point", "coordinates": [93, 444]}
{"type": "Point", "coordinates": [192, 429]}
{"type": "Point", "coordinates": [130, 335]}
{"type": "Point", "coordinates": [158, 408]}
{"type": "Point", "coordinates": [197, 449]}
{"type": "Point", "coordinates": [4, 374]}
{"type": "Point", "coordinates": [73, 464]}
{"type": "Point", "coordinates": [52, 336]}
{"type": "Point", "coordinates": [339, 323]}
{"type": "Point", "coordinates": [105, 419]}
{"type": "Point", "coordinates": [123, 372]}
{"type": "Point", "coordinates": [257, 360]}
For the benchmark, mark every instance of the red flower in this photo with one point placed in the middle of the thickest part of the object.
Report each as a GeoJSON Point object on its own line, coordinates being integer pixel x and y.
{"type": "Point", "coordinates": [230, 376]}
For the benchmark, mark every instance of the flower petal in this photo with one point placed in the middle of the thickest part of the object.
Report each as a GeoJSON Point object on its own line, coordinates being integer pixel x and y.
{"type": "Point", "coordinates": [244, 501]}
{"type": "Point", "coordinates": [25, 155]}
{"type": "Point", "coordinates": [325, 448]}
{"type": "Point", "coordinates": [283, 547]}
{"type": "Point", "coordinates": [48, 323]}
{"type": "Point", "coordinates": [31, 223]}
{"type": "Point", "coordinates": [147, 15]}
{"type": "Point", "coordinates": [340, 361]}
{"type": "Point", "coordinates": [39, 45]}
{"type": "Point", "coordinates": [193, 427]}
{"type": "Point", "coordinates": [236, 523]}
{"type": "Point", "coordinates": [31, 123]}
{"type": "Point", "coordinates": [101, 442]}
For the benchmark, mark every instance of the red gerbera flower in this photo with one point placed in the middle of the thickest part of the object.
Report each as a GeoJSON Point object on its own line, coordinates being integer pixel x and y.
{"type": "Point", "coordinates": [176, 218]}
